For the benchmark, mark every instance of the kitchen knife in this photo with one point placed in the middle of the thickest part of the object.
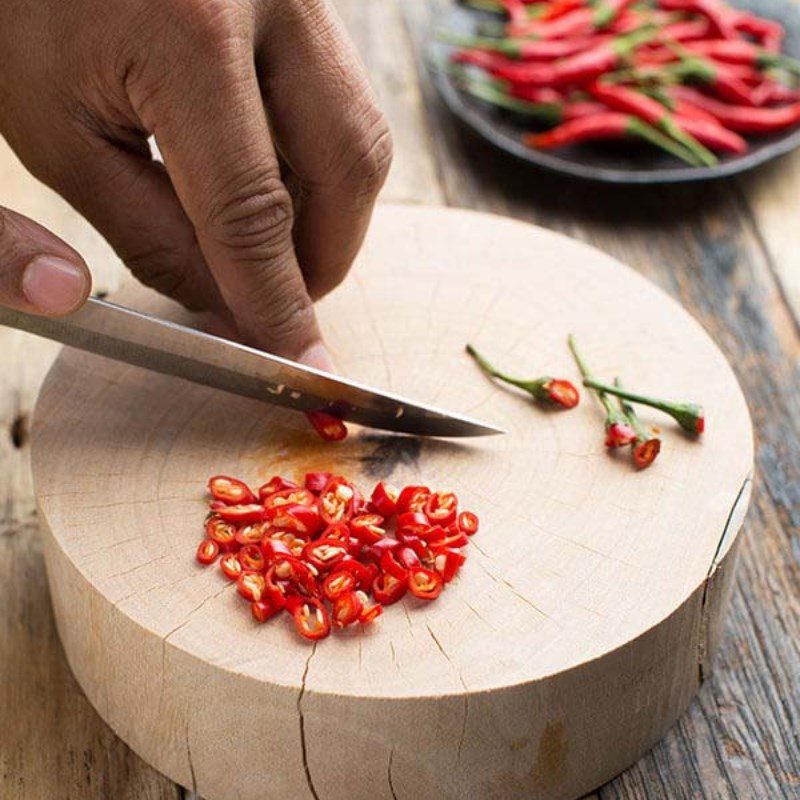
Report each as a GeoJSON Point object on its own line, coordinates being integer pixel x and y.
{"type": "Point", "coordinates": [140, 339]}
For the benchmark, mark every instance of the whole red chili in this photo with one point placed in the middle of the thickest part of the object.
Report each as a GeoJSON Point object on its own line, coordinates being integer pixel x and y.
{"type": "Point", "coordinates": [742, 119]}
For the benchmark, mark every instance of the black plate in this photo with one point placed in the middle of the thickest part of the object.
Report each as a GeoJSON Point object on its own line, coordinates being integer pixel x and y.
{"type": "Point", "coordinates": [610, 163]}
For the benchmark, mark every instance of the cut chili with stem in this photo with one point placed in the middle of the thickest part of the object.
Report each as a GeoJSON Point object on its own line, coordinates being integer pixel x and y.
{"type": "Point", "coordinates": [554, 391]}
{"type": "Point", "coordinates": [646, 446]}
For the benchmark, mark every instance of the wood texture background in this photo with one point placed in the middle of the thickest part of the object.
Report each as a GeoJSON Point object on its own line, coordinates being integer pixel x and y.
{"type": "Point", "coordinates": [729, 252]}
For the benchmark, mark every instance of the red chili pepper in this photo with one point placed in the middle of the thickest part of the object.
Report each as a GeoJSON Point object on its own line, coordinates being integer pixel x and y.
{"type": "Point", "coordinates": [251, 534]}
{"type": "Point", "coordinates": [263, 610]}
{"type": "Point", "coordinates": [384, 499]}
{"type": "Point", "coordinates": [369, 611]}
{"type": "Point", "coordinates": [207, 551]}
{"type": "Point", "coordinates": [367, 528]}
{"type": "Point", "coordinates": [468, 523]}
{"type": "Point", "coordinates": [742, 119]}
{"type": "Point", "coordinates": [391, 566]}
{"type": "Point", "coordinates": [252, 558]}
{"type": "Point", "coordinates": [310, 617]}
{"type": "Point", "coordinates": [425, 583]}
{"type": "Point", "coordinates": [551, 390]}
{"type": "Point", "coordinates": [230, 491]}
{"type": "Point", "coordinates": [717, 77]}
{"type": "Point", "coordinates": [347, 609]}
{"type": "Point", "coordinates": [742, 52]}
{"type": "Point", "coordinates": [273, 485]}
{"type": "Point", "coordinates": [290, 497]}
{"type": "Point", "coordinates": [441, 508]}
{"type": "Point", "coordinates": [338, 582]}
{"type": "Point", "coordinates": [582, 108]}
{"type": "Point", "coordinates": [329, 428]}
{"type": "Point", "coordinates": [324, 554]}
{"type": "Point", "coordinates": [768, 32]}
{"type": "Point", "coordinates": [300, 519]}
{"type": "Point", "coordinates": [316, 481]}
{"type": "Point", "coordinates": [713, 135]}
{"type": "Point", "coordinates": [336, 501]}
{"type": "Point", "coordinates": [645, 452]}
{"type": "Point", "coordinates": [231, 566]}
{"type": "Point", "coordinates": [242, 514]}
{"type": "Point", "coordinates": [447, 562]}
{"type": "Point", "coordinates": [222, 532]}
{"type": "Point", "coordinates": [687, 30]}
{"type": "Point", "coordinates": [412, 498]}
{"type": "Point", "coordinates": [612, 125]}
{"type": "Point", "coordinates": [388, 589]}
{"type": "Point", "coordinates": [251, 585]}
{"type": "Point", "coordinates": [721, 17]}
{"type": "Point", "coordinates": [275, 589]}
{"type": "Point", "coordinates": [490, 53]}
{"type": "Point", "coordinates": [621, 98]}
{"type": "Point", "coordinates": [557, 8]}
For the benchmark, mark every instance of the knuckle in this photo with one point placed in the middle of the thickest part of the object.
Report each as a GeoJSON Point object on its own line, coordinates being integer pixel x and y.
{"type": "Point", "coordinates": [287, 320]}
{"type": "Point", "coordinates": [165, 269]}
{"type": "Point", "coordinates": [372, 161]}
{"type": "Point", "coordinates": [254, 220]}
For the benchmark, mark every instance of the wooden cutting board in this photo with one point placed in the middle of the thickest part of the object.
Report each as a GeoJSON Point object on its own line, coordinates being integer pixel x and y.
{"type": "Point", "coordinates": [584, 618]}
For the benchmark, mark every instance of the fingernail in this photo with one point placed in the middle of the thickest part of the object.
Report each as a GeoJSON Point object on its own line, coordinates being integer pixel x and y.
{"type": "Point", "coordinates": [54, 285]}
{"type": "Point", "coordinates": [317, 356]}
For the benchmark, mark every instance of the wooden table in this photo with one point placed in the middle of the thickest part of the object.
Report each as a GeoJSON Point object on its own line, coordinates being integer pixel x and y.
{"type": "Point", "coordinates": [728, 252]}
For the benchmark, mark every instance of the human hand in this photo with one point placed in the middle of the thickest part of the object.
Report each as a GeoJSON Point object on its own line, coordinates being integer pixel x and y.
{"type": "Point", "coordinates": [273, 146]}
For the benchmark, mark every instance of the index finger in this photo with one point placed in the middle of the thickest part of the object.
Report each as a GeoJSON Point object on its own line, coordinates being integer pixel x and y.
{"type": "Point", "coordinates": [212, 131]}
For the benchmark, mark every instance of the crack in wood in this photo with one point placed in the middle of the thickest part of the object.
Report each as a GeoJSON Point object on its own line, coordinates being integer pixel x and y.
{"type": "Point", "coordinates": [389, 774]}
{"type": "Point", "coordinates": [730, 529]}
{"type": "Point", "coordinates": [303, 742]}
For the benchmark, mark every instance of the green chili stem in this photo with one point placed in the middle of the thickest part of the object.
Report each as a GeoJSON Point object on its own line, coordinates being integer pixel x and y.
{"type": "Point", "coordinates": [612, 414]}
{"type": "Point", "coordinates": [527, 385]}
{"type": "Point", "coordinates": [642, 434]}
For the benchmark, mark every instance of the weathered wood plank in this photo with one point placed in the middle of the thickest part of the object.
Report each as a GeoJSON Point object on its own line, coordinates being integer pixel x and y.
{"type": "Point", "coordinates": [52, 743]}
{"type": "Point", "coordinates": [700, 243]}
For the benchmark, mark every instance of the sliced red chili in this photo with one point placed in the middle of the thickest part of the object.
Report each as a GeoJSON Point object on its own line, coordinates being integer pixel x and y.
{"type": "Point", "coordinates": [230, 491]}
{"type": "Point", "coordinates": [338, 582]}
{"type": "Point", "coordinates": [441, 508]}
{"type": "Point", "coordinates": [367, 528]}
{"type": "Point", "coordinates": [251, 534]}
{"type": "Point", "coordinates": [407, 556]}
{"type": "Point", "coordinates": [468, 523]}
{"type": "Point", "coordinates": [447, 562]}
{"type": "Point", "coordinates": [339, 531]}
{"type": "Point", "coordinates": [329, 428]}
{"type": "Point", "coordinates": [207, 552]}
{"type": "Point", "coordinates": [347, 609]}
{"type": "Point", "coordinates": [425, 583]}
{"type": "Point", "coordinates": [275, 589]}
{"type": "Point", "coordinates": [412, 498]}
{"type": "Point", "coordinates": [358, 570]}
{"type": "Point", "coordinates": [251, 586]}
{"type": "Point", "coordinates": [223, 533]}
{"type": "Point", "coordinates": [242, 514]}
{"type": "Point", "coordinates": [369, 611]}
{"type": "Point", "coordinates": [275, 484]}
{"type": "Point", "coordinates": [298, 518]}
{"type": "Point", "coordinates": [289, 497]}
{"type": "Point", "coordinates": [384, 499]}
{"type": "Point", "coordinates": [391, 566]}
{"type": "Point", "coordinates": [316, 481]}
{"type": "Point", "coordinates": [274, 548]}
{"type": "Point", "coordinates": [263, 610]}
{"type": "Point", "coordinates": [455, 538]}
{"type": "Point", "coordinates": [252, 558]}
{"type": "Point", "coordinates": [231, 566]}
{"type": "Point", "coordinates": [388, 589]}
{"type": "Point", "coordinates": [324, 554]}
{"type": "Point", "coordinates": [299, 573]}
{"type": "Point", "coordinates": [336, 501]}
{"type": "Point", "coordinates": [310, 617]}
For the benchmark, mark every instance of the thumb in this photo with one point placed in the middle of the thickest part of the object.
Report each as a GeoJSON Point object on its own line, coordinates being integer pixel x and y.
{"type": "Point", "coordinates": [39, 273]}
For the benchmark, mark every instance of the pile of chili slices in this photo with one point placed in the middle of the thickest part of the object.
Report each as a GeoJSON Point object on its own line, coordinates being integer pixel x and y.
{"type": "Point", "coordinates": [325, 554]}
{"type": "Point", "coordinates": [688, 76]}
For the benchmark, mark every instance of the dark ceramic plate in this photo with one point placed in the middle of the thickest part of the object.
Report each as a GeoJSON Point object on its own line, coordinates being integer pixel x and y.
{"type": "Point", "coordinates": [609, 163]}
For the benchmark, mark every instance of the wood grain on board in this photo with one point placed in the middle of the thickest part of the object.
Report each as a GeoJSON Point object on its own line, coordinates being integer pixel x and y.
{"type": "Point", "coordinates": [727, 252]}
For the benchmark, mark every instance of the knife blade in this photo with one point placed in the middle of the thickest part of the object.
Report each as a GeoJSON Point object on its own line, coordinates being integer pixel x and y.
{"type": "Point", "coordinates": [134, 337]}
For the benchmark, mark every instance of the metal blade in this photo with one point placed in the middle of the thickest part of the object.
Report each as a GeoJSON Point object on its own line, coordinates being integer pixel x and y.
{"type": "Point", "coordinates": [166, 347]}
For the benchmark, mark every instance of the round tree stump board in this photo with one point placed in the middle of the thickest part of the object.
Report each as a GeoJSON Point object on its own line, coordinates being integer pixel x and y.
{"type": "Point", "coordinates": [592, 598]}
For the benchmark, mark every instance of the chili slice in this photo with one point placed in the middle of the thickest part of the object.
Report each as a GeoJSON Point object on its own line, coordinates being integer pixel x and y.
{"type": "Point", "coordinates": [425, 583]}
{"type": "Point", "coordinates": [207, 552]}
{"type": "Point", "coordinates": [230, 491]}
{"type": "Point", "coordinates": [310, 617]}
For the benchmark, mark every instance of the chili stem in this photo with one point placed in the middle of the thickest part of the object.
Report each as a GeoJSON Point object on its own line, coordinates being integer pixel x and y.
{"type": "Point", "coordinates": [654, 136]}
{"type": "Point", "coordinates": [495, 373]}
{"type": "Point", "coordinates": [633, 418]}
{"type": "Point", "coordinates": [611, 412]}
